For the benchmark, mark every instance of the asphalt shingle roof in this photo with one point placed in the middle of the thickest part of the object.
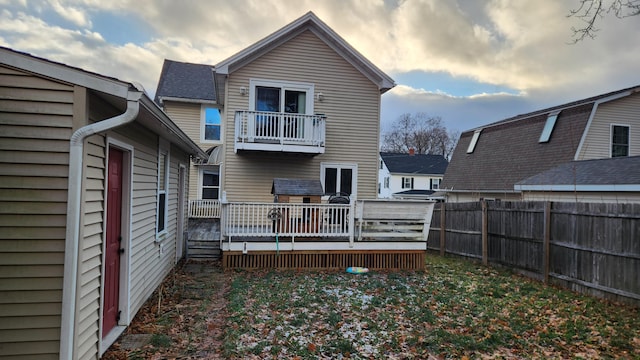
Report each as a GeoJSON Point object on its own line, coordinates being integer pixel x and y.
{"type": "Point", "coordinates": [296, 187]}
{"type": "Point", "coordinates": [402, 163]}
{"type": "Point", "coordinates": [186, 81]}
{"type": "Point", "coordinates": [618, 171]}
{"type": "Point", "coordinates": [509, 150]}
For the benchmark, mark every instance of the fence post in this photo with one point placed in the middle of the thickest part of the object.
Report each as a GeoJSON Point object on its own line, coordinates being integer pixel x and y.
{"type": "Point", "coordinates": [442, 227]}
{"type": "Point", "coordinates": [485, 235]}
{"type": "Point", "coordinates": [547, 241]}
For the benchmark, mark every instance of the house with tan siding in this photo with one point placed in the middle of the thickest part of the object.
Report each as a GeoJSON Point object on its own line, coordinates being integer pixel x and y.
{"type": "Point", "coordinates": [299, 107]}
{"type": "Point", "coordinates": [540, 155]}
{"type": "Point", "coordinates": [321, 91]}
{"type": "Point", "coordinates": [93, 179]}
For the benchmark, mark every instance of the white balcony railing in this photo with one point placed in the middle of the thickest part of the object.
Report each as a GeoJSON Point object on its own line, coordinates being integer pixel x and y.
{"type": "Point", "coordinates": [288, 220]}
{"type": "Point", "coordinates": [274, 131]}
{"type": "Point", "coordinates": [205, 209]}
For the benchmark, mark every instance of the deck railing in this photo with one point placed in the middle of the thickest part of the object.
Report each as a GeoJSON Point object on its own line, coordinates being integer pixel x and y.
{"type": "Point", "coordinates": [283, 129]}
{"type": "Point", "coordinates": [287, 220]}
{"type": "Point", "coordinates": [205, 209]}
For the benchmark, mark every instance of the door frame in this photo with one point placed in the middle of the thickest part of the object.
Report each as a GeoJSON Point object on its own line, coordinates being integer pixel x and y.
{"type": "Point", "coordinates": [125, 260]}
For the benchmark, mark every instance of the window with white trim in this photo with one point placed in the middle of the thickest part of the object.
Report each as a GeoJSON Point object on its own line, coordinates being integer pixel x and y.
{"type": "Point", "coordinates": [163, 186]}
{"type": "Point", "coordinates": [211, 125]}
{"type": "Point", "coordinates": [339, 178]}
{"type": "Point", "coordinates": [281, 96]}
{"type": "Point", "coordinates": [407, 183]}
{"type": "Point", "coordinates": [209, 182]}
{"type": "Point", "coordinates": [619, 140]}
{"type": "Point", "coordinates": [386, 182]}
{"type": "Point", "coordinates": [435, 184]}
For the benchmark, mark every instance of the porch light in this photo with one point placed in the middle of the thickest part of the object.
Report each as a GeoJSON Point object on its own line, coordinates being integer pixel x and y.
{"type": "Point", "coordinates": [243, 90]}
{"type": "Point", "coordinates": [320, 96]}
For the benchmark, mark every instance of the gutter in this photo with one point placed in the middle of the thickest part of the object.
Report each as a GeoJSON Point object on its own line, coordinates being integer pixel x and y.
{"type": "Point", "coordinates": [74, 202]}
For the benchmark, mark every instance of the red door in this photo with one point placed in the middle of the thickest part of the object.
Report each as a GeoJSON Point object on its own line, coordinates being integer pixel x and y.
{"type": "Point", "coordinates": [112, 253]}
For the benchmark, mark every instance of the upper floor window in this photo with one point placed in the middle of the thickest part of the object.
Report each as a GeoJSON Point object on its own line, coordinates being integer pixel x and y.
{"type": "Point", "coordinates": [339, 178]}
{"type": "Point", "coordinates": [386, 182]}
{"type": "Point", "coordinates": [435, 184]}
{"type": "Point", "coordinates": [619, 140]}
{"type": "Point", "coordinates": [281, 96]}
{"type": "Point", "coordinates": [211, 124]}
{"type": "Point", "coordinates": [474, 141]}
{"type": "Point", "coordinates": [548, 127]}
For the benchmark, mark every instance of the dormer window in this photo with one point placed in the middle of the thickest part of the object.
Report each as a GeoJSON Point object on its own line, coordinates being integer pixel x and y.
{"type": "Point", "coordinates": [548, 127]}
{"type": "Point", "coordinates": [474, 141]}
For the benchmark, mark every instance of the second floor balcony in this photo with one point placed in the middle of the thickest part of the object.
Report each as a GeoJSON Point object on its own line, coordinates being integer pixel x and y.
{"type": "Point", "coordinates": [275, 131]}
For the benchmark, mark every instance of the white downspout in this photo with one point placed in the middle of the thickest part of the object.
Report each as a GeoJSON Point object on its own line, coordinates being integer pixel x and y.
{"type": "Point", "coordinates": [72, 241]}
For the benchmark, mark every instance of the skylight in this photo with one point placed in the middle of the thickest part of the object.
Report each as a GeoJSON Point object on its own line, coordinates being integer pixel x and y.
{"type": "Point", "coordinates": [548, 127]}
{"type": "Point", "coordinates": [474, 141]}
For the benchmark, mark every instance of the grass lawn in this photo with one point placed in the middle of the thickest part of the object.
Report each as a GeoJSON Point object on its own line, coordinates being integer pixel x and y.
{"type": "Point", "coordinates": [455, 309]}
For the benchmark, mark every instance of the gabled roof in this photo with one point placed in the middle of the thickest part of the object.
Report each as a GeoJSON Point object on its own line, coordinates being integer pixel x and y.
{"type": "Point", "coordinates": [111, 89]}
{"type": "Point", "coordinates": [420, 164]}
{"type": "Point", "coordinates": [611, 174]}
{"type": "Point", "coordinates": [297, 187]}
{"type": "Point", "coordinates": [312, 23]}
{"type": "Point", "coordinates": [180, 81]}
{"type": "Point", "coordinates": [510, 150]}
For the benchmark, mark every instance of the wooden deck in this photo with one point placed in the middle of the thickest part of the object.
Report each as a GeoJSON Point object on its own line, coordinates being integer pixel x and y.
{"type": "Point", "coordinates": [325, 260]}
{"type": "Point", "coordinates": [378, 234]}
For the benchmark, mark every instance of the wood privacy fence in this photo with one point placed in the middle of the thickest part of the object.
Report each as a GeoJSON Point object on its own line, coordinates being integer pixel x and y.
{"type": "Point", "coordinates": [592, 248]}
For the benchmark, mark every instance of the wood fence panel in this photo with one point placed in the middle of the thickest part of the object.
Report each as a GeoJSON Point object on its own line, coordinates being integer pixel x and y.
{"type": "Point", "coordinates": [433, 240]}
{"type": "Point", "coordinates": [516, 234]}
{"type": "Point", "coordinates": [593, 248]}
{"type": "Point", "coordinates": [464, 229]}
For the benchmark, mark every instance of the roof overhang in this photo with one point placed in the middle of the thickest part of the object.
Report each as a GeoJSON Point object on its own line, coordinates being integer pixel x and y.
{"type": "Point", "coordinates": [581, 188]}
{"type": "Point", "coordinates": [116, 91]}
{"type": "Point", "coordinates": [162, 99]}
{"type": "Point", "coordinates": [312, 23]}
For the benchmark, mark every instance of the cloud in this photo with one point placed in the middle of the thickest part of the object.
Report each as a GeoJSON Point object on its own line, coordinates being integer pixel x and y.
{"type": "Point", "coordinates": [73, 14]}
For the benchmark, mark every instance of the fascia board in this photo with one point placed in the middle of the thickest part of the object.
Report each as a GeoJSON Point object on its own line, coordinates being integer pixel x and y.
{"type": "Point", "coordinates": [64, 73]}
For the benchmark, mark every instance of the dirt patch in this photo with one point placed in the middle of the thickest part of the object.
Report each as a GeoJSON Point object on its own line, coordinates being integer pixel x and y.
{"type": "Point", "coordinates": [183, 319]}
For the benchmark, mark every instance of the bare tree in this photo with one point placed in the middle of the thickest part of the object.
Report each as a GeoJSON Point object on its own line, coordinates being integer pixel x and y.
{"type": "Point", "coordinates": [590, 11]}
{"type": "Point", "coordinates": [425, 134]}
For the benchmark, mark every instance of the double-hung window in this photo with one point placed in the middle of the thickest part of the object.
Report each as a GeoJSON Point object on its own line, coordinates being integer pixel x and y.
{"type": "Point", "coordinates": [435, 184]}
{"type": "Point", "coordinates": [339, 178]}
{"type": "Point", "coordinates": [210, 180]}
{"type": "Point", "coordinates": [619, 140]}
{"type": "Point", "coordinates": [211, 129]}
{"type": "Point", "coordinates": [163, 185]}
{"type": "Point", "coordinates": [407, 183]}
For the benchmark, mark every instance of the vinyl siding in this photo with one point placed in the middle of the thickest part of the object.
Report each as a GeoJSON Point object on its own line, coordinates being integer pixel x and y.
{"type": "Point", "coordinates": [93, 204]}
{"type": "Point", "coordinates": [36, 121]}
{"type": "Point", "coordinates": [351, 104]}
{"type": "Point", "coordinates": [625, 111]}
{"type": "Point", "coordinates": [590, 197]}
{"type": "Point", "coordinates": [188, 117]}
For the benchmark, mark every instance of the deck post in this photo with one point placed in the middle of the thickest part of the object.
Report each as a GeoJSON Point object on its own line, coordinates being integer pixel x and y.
{"type": "Point", "coordinates": [352, 227]}
{"type": "Point", "coordinates": [442, 228]}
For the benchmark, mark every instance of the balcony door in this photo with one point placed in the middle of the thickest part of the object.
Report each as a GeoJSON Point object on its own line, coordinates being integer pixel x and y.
{"type": "Point", "coordinates": [281, 100]}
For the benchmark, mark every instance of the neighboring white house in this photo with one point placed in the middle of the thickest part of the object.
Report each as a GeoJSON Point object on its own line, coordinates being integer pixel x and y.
{"type": "Point", "coordinates": [410, 176]}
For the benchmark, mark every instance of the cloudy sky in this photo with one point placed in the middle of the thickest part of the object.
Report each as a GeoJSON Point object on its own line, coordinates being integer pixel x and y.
{"type": "Point", "coordinates": [471, 62]}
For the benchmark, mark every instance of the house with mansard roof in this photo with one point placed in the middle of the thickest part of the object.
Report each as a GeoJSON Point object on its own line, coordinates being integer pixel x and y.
{"type": "Point", "coordinates": [93, 178]}
{"type": "Point", "coordinates": [410, 175]}
{"type": "Point", "coordinates": [493, 161]}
